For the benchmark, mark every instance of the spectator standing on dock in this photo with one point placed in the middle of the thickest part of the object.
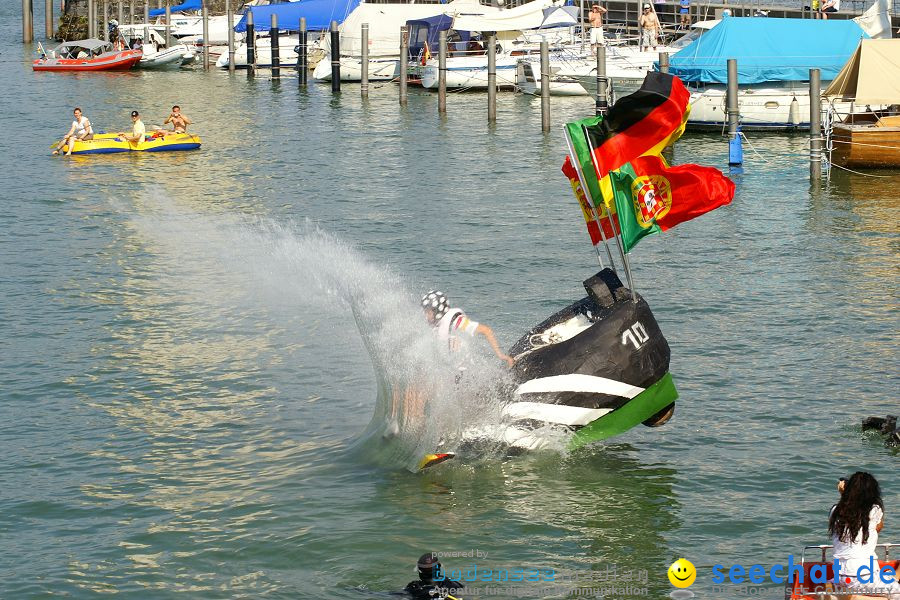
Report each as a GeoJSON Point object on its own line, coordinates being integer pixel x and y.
{"type": "Point", "coordinates": [830, 6]}
{"type": "Point", "coordinates": [648, 23]}
{"type": "Point", "coordinates": [854, 524]}
{"type": "Point", "coordinates": [684, 10]}
{"type": "Point", "coordinates": [596, 19]}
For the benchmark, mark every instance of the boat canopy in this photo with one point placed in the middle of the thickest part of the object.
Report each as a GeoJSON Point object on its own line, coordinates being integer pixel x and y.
{"type": "Point", "coordinates": [526, 16]}
{"type": "Point", "coordinates": [871, 76]}
{"type": "Point", "coordinates": [768, 49]}
{"type": "Point", "coordinates": [560, 16]}
{"type": "Point", "coordinates": [318, 13]}
{"type": "Point", "coordinates": [385, 21]}
{"type": "Point", "coordinates": [89, 44]}
{"type": "Point", "coordinates": [428, 30]}
{"type": "Point", "coordinates": [186, 6]}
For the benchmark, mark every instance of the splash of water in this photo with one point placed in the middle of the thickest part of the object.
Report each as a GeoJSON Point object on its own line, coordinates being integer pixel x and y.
{"type": "Point", "coordinates": [426, 399]}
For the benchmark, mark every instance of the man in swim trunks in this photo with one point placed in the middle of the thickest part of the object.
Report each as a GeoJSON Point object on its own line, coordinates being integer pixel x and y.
{"type": "Point", "coordinates": [596, 19]}
{"type": "Point", "coordinates": [80, 130]}
{"type": "Point", "coordinates": [649, 26]}
{"type": "Point", "coordinates": [178, 120]}
{"type": "Point", "coordinates": [137, 129]}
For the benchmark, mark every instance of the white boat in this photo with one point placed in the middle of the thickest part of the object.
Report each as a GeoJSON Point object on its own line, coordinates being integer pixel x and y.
{"type": "Point", "coordinates": [470, 72]}
{"type": "Point", "coordinates": [529, 81]}
{"type": "Point", "coordinates": [380, 69]}
{"type": "Point", "coordinates": [156, 54]}
{"type": "Point", "coordinates": [287, 52]}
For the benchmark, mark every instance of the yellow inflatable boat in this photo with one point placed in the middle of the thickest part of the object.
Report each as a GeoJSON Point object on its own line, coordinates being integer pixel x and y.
{"type": "Point", "coordinates": [108, 143]}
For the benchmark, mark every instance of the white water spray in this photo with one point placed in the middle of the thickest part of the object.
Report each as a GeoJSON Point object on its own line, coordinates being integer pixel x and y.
{"type": "Point", "coordinates": [424, 401]}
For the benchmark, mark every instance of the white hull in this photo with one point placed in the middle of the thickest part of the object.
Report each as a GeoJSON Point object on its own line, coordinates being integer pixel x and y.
{"type": "Point", "coordinates": [380, 69]}
{"type": "Point", "coordinates": [764, 106]}
{"type": "Point", "coordinates": [529, 82]}
{"type": "Point", "coordinates": [286, 54]}
{"type": "Point", "coordinates": [470, 72]}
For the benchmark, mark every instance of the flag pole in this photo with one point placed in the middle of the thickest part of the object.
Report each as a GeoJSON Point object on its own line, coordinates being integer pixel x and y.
{"type": "Point", "coordinates": [622, 252]}
{"type": "Point", "coordinates": [587, 195]}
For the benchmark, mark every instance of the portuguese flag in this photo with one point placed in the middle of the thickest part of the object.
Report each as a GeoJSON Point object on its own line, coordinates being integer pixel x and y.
{"type": "Point", "coordinates": [586, 208]}
{"type": "Point", "coordinates": [651, 197]}
{"type": "Point", "coordinates": [644, 122]}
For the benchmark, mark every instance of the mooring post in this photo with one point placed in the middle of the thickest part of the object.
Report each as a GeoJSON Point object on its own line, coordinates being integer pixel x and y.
{"type": "Point", "coordinates": [92, 19]}
{"type": "Point", "coordinates": [601, 105]}
{"type": "Point", "coordinates": [545, 86]}
{"type": "Point", "coordinates": [815, 125]}
{"type": "Point", "coordinates": [302, 68]}
{"type": "Point", "coordinates": [131, 12]}
{"type": "Point", "coordinates": [404, 63]}
{"type": "Point", "coordinates": [204, 9]}
{"type": "Point", "coordinates": [663, 62]}
{"type": "Point", "coordinates": [274, 42]}
{"type": "Point", "coordinates": [48, 19]}
{"type": "Point", "coordinates": [168, 25]}
{"type": "Point", "coordinates": [230, 16]}
{"type": "Point", "coordinates": [147, 11]}
{"type": "Point", "coordinates": [735, 150]}
{"type": "Point", "coordinates": [105, 20]}
{"type": "Point", "coordinates": [335, 58]}
{"type": "Point", "coordinates": [492, 78]}
{"type": "Point", "coordinates": [120, 12]}
{"type": "Point", "coordinates": [27, 22]}
{"type": "Point", "coordinates": [442, 72]}
{"type": "Point", "coordinates": [364, 60]}
{"type": "Point", "coordinates": [250, 40]}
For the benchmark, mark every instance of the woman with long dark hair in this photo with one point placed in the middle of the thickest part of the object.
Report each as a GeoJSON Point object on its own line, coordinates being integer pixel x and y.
{"type": "Point", "coordinates": [854, 525]}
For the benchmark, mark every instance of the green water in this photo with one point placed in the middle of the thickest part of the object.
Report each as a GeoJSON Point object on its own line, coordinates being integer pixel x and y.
{"type": "Point", "coordinates": [183, 387]}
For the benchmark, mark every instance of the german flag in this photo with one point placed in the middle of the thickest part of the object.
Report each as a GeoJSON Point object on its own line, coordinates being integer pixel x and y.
{"type": "Point", "coordinates": [642, 123]}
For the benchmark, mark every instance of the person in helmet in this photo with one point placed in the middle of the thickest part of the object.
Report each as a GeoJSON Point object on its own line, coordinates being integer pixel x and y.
{"type": "Point", "coordinates": [431, 583]}
{"type": "Point", "coordinates": [450, 322]}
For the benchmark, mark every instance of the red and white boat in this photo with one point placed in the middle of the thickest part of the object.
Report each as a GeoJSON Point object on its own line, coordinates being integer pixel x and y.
{"type": "Point", "coordinates": [87, 55]}
{"type": "Point", "coordinates": [807, 589]}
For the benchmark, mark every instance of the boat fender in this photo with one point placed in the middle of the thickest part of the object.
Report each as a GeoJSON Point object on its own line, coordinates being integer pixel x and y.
{"type": "Point", "coordinates": [794, 112]}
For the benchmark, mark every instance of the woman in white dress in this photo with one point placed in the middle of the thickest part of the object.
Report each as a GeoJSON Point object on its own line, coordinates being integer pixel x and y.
{"type": "Point", "coordinates": [854, 525]}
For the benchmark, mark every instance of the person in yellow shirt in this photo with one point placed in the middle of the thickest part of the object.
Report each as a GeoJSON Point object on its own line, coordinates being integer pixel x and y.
{"type": "Point", "coordinates": [137, 129]}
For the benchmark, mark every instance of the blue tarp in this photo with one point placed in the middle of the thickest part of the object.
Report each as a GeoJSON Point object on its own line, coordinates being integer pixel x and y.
{"type": "Point", "coordinates": [429, 30]}
{"type": "Point", "coordinates": [188, 5]}
{"type": "Point", "coordinates": [768, 50]}
{"type": "Point", "coordinates": [319, 14]}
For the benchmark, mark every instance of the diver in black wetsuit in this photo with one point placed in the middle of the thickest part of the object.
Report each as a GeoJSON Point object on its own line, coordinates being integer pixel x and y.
{"type": "Point", "coordinates": [426, 588]}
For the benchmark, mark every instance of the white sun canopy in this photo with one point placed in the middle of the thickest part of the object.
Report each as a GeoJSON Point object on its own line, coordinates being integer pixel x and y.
{"type": "Point", "coordinates": [526, 16]}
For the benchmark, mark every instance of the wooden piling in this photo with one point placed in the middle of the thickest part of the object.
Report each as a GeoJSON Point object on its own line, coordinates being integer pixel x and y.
{"type": "Point", "coordinates": [230, 17]}
{"type": "Point", "coordinates": [205, 12]}
{"type": "Point", "coordinates": [815, 125]}
{"type": "Point", "coordinates": [302, 66]}
{"type": "Point", "coordinates": [274, 42]}
{"type": "Point", "coordinates": [106, 20]}
{"type": "Point", "coordinates": [492, 78]}
{"type": "Point", "coordinates": [27, 22]}
{"type": "Point", "coordinates": [131, 12]}
{"type": "Point", "coordinates": [404, 63]}
{"type": "Point", "coordinates": [120, 12]}
{"type": "Point", "coordinates": [335, 58]}
{"type": "Point", "coordinates": [364, 60]}
{"type": "Point", "coordinates": [442, 72]}
{"type": "Point", "coordinates": [545, 86]}
{"type": "Point", "coordinates": [48, 19]}
{"type": "Point", "coordinates": [168, 25]}
{"type": "Point", "coordinates": [147, 11]}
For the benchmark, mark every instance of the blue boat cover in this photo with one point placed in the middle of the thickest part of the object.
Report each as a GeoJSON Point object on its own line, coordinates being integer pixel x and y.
{"type": "Point", "coordinates": [188, 5]}
{"type": "Point", "coordinates": [768, 50]}
{"type": "Point", "coordinates": [319, 14]}
{"type": "Point", "coordinates": [428, 30]}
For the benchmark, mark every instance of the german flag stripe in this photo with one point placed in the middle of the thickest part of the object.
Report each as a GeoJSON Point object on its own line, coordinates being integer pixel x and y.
{"type": "Point", "coordinates": [639, 122]}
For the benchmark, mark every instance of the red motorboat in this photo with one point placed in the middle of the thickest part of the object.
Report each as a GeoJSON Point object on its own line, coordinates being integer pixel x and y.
{"type": "Point", "coordinates": [87, 55]}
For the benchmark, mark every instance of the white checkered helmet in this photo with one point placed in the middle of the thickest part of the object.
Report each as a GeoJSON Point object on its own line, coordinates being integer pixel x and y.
{"type": "Point", "coordinates": [437, 302]}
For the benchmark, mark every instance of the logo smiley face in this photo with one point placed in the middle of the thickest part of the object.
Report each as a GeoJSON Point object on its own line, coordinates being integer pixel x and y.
{"type": "Point", "coordinates": [682, 573]}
